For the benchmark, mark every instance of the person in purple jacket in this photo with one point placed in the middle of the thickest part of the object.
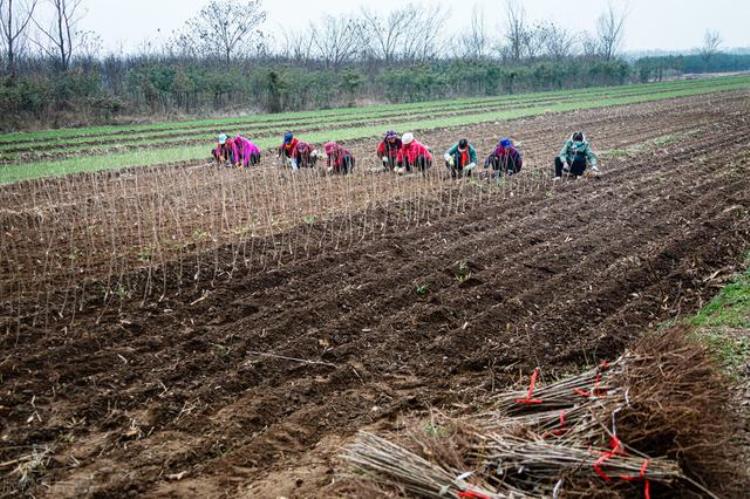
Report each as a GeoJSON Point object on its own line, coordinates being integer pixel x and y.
{"type": "Point", "coordinates": [244, 152]}
{"type": "Point", "coordinates": [506, 159]}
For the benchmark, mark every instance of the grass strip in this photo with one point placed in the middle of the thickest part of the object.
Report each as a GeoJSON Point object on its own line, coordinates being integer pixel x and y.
{"type": "Point", "coordinates": [99, 147]}
{"type": "Point", "coordinates": [341, 112]}
{"type": "Point", "coordinates": [723, 325]}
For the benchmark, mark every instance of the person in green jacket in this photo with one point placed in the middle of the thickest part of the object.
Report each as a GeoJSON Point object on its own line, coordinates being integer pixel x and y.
{"type": "Point", "coordinates": [461, 159]}
{"type": "Point", "coordinates": [575, 156]}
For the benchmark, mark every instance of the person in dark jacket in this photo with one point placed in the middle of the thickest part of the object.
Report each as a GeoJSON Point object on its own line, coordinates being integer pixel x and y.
{"type": "Point", "coordinates": [506, 159]}
{"type": "Point", "coordinates": [461, 159]}
{"type": "Point", "coordinates": [575, 157]}
{"type": "Point", "coordinates": [388, 150]}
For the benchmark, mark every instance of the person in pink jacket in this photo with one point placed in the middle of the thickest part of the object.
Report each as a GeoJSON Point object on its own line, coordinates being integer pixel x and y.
{"type": "Point", "coordinates": [412, 155]}
{"type": "Point", "coordinates": [340, 160]}
{"type": "Point", "coordinates": [304, 155]}
{"type": "Point", "coordinates": [244, 152]}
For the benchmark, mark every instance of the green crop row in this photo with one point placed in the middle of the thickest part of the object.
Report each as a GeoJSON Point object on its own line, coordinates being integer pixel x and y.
{"type": "Point", "coordinates": [169, 138]}
{"type": "Point", "coordinates": [332, 115]}
{"type": "Point", "coordinates": [249, 120]}
{"type": "Point", "coordinates": [253, 129]}
{"type": "Point", "coordinates": [320, 117]}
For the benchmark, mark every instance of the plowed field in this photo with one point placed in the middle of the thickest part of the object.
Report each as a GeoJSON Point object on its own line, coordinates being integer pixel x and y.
{"type": "Point", "coordinates": [247, 386]}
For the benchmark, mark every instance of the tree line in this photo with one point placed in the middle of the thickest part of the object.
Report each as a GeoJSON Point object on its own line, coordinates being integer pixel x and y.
{"type": "Point", "coordinates": [223, 60]}
{"type": "Point", "coordinates": [707, 59]}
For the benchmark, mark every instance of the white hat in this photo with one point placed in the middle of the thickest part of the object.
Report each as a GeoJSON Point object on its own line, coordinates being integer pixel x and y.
{"type": "Point", "coordinates": [223, 139]}
{"type": "Point", "coordinates": [408, 138]}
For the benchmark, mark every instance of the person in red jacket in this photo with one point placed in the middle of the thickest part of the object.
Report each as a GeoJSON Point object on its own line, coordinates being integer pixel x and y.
{"type": "Point", "coordinates": [304, 156]}
{"type": "Point", "coordinates": [287, 150]}
{"type": "Point", "coordinates": [222, 153]}
{"type": "Point", "coordinates": [412, 155]}
{"type": "Point", "coordinates": [388, 150]}
{"type": "Point", "coordinates": [340, 160]}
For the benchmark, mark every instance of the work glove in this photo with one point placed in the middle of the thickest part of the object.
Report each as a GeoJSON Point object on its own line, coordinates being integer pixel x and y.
{"type": "Point", "coordinates": [566, 167]}
{"type": "Point", "coordinates": [400, 170]}
{"type": "Point", "coordinates": [595, 169]}
{"type": "Point", "coordinates": [294, 164]}
{"type": "Point", "coordinates": [470, 167]}
{"type": "Point", "coordinates": [386, 159]}
{"type": "Point", "coordinates": [448, 157]}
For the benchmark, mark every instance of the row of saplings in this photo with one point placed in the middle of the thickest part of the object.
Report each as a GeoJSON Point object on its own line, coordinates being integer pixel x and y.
{"type": "Point", "coordinates": [404, 154]}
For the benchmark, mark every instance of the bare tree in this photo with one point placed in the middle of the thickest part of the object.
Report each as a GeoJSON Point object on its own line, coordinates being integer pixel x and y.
{"type": "Point", "coordinates": [298, 45]}
{"type": "Point", "coordinates": [533, 41]}
{"type": "Point", "coordinates": [182, 44]}
{"type": "Point", "coordinates": [60, 36]}
{"type": "Point", "coordinates": [336, 41]}
{"type": "Point", "coordinates": [711, 44]}
{"type": "Point", "coordinates": [516, 29]}
{"type": "Point", "coordinates": [422, 41]}
{"type": "Point", "coordinates": [589, 45]}
{"type": "Point", "coordinates": [89, 44]}
{"type": "Point", "coordinates": [224, 28]}
{"type": "Point", "coordinates": [411, 33]}
{"type": "Point", "coordinates": [384, 35]}
{"type": "Point", "coordinates": [559, 43]}
{"type": "Point", "coordinates": [15, 17]}
{"type": "Point", "coordinates": [474, 43]}
{"type": "Point", "coordinates": [610, 29]}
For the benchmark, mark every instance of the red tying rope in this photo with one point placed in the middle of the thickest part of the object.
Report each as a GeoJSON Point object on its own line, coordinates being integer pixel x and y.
{"type": "Point", "coordinates": [470, 494]}
{"type": "Point", "coordinates": [529, 400]}
{"type": "Point", "coordinates": [596, 392]}
{"type": "Point", "coordinates": [606, 456]}
{"type": "Point", "coordinates": [618, 449]}
{"type": "Point", "coordinates": [640, 476]}
{"type": "Point", "coordinates": [561, 429]}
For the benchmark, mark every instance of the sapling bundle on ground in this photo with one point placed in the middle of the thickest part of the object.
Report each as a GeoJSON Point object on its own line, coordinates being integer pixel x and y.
{"type": "Point", "coordinates": [568, 392]}
{"type": "Point", "coordinates": [657, 416]}
{"type": "Point", "coordinates": [682, 406]}
{"type": "Point", "coordinates": [387, 464]}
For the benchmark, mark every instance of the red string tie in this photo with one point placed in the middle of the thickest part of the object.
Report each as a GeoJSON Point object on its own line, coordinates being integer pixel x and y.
{"type": "Point", "coordinates": [596, 392]}
{"type": "Point", "coordinates": [561, 429]}
{"type": "Point", "coordinates": [618, 449]}
{"type": "Point", "coordinates": [529, 400]}
{"type": "Point", "coordinates": [471, 494]}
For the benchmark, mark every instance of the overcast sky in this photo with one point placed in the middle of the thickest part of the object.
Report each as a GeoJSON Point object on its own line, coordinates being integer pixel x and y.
{"type": "Point", "coordinates": [652, 24]}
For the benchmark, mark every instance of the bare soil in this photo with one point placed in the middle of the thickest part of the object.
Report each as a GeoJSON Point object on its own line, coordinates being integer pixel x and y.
{"type": "Point", "coordinates": [248, 386]}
